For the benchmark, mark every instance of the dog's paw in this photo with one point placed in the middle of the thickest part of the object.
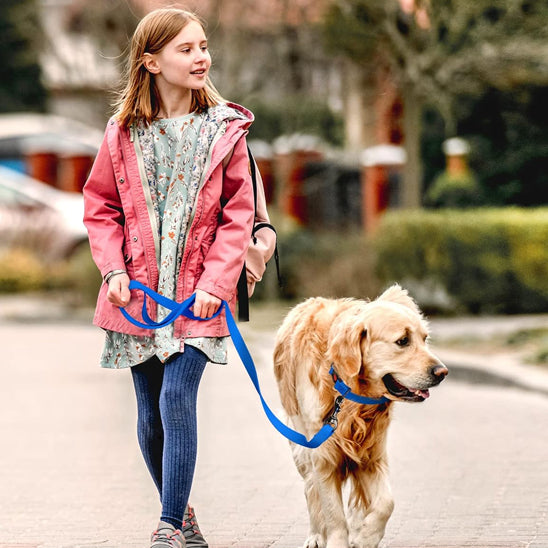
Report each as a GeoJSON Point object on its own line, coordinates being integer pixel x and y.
{"type": "Point", "coordinates": [314, 541]}
{"type": "Point", "coordinates": [365, 541]}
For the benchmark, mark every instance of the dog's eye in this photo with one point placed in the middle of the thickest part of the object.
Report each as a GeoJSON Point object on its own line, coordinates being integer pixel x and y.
{"type": "Point", "coordinates": [404, 341]}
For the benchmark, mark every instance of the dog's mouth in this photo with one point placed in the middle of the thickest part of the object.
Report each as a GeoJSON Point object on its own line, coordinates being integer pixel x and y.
{"type": "Point", "coordinates": [402, 392]}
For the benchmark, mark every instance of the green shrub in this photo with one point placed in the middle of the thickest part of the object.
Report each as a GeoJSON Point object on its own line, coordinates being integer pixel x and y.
{"type": "Point", "coordinates": [459, 191]}
{"type": "Point", "coordinates": [328, 265]}
{"type": "Point", "coordinates": [76, 279]}
{"type": "Point", "coordinates": [21, 271]}
{"type": "Point", "coordinates": [81, 277]}
{"type": "Point", "coordinates": [488, 260]}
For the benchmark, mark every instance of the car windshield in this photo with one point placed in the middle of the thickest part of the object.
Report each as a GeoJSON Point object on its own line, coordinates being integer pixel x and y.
{"type": "Point", "coordinates": [12, 197]}
{"type": "Point", "coordinates": [18, 189]}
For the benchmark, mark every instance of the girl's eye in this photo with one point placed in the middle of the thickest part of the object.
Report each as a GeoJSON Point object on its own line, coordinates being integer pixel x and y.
{"type": "Point", "coordinates": [404, 341]}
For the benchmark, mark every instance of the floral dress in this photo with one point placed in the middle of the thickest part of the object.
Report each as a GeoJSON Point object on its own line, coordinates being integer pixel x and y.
{"type": "Point", "coordinates": [174, 153]}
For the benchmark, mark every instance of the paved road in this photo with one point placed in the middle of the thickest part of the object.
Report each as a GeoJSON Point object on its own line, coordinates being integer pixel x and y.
{"type": "Point", "coordinates": [468, 467]}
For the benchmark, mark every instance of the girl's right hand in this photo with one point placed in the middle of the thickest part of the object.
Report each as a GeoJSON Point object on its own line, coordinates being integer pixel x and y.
{"type": "Point", "coordinates": [118, 290]}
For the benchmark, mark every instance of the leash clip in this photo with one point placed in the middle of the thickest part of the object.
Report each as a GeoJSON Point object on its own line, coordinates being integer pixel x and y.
{"type": "Point", "coordinates": [332, 419]}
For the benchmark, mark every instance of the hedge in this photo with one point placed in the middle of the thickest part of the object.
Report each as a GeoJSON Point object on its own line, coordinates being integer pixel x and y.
{"type": "Point", "coordinates": [486, 260]}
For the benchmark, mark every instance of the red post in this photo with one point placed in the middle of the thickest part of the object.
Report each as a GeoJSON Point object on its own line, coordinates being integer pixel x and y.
{"type": "Point", "coordinates": [42, 165]}
{"type": "Point", "coordinates": [377, 163]}
{"type": "Point", "coordinates": [292, 155]}
{"type": "Point", "coordinates": [73, 171]}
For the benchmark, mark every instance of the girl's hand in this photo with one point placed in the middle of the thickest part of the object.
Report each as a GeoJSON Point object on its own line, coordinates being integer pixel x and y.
{"type": "Point", "coordinates": [205, 304]}
{"type": "Point", "coordinates": [118, 290]}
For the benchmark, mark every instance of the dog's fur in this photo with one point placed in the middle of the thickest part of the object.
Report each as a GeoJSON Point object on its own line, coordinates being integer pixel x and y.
{"type": "Point", "coordinates": [366, 342]}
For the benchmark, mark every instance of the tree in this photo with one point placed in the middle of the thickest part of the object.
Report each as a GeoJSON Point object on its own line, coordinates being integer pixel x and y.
{"type": "Point", "coordinates": [21, 87]}
{"type": "Point", "coordinates": [437, 51]}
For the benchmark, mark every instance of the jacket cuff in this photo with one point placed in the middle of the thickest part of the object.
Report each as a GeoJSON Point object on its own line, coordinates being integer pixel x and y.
{"type": "Point", "coordinates": [216, 290]}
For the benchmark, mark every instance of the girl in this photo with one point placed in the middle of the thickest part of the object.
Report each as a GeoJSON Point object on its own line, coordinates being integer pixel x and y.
{"type": "Point", "coordinates": [169, 202]}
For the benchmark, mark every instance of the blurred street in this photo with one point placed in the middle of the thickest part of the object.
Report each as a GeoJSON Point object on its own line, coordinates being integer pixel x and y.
{"type": "Point", "coordinates": [468, 467]}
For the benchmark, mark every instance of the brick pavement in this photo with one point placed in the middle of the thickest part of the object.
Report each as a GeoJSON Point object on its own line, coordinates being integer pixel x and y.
{"type": "Point", "coordinates": [468, 467]}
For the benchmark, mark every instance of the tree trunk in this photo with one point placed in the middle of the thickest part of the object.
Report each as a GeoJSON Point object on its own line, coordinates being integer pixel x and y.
{"type": "Point", "coordinates": [411, 196]}
{"type": "Point", "coordinates": [359, 108]}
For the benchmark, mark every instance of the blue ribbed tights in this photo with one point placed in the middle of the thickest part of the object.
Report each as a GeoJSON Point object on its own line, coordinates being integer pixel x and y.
{"type": "Point", "coordinates": [167, 425]}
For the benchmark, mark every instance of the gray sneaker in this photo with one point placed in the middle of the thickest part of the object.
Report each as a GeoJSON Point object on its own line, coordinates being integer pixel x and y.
{"type": "Point", "coordinates": [166, 536]}
{"type": "Point", "coordinates": [193, 535]}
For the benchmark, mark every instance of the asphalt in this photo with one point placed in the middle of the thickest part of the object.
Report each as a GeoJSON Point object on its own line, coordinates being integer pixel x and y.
{"type": "Point", "coordinates": [468, 467]}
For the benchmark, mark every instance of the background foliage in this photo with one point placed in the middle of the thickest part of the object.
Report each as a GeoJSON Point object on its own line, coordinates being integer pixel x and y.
{"type": "Point", "coordinates": [487, 260]}
{"type": "Point", "coordinates": [20, 41]}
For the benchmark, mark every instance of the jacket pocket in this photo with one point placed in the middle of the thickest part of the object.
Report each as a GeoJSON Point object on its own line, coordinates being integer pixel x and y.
{"type": "Point", "coordinates": [128, 259]}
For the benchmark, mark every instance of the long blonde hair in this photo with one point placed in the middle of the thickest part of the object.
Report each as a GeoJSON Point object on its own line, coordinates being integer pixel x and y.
{"type": "Point", "coordinates": [139, 99]}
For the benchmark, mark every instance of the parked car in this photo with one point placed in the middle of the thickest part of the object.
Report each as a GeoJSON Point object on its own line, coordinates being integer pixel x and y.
{"type": "Point", "coordinates": [39, 217]}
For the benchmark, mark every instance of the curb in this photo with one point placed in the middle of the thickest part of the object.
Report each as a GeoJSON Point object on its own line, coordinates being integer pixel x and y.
{"type": "Point", "coordinates": [494, 369]}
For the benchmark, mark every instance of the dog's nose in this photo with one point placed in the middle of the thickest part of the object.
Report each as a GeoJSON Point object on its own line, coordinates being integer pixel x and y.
{"type": "Point", "coordinates": [439, 371]}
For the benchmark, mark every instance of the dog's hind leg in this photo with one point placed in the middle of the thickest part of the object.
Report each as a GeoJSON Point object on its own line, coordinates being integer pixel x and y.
{"type": "Point", "coordinates": [370, 507]}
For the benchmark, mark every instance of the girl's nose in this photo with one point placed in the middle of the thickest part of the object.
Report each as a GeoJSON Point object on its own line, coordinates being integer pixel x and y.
{"type": "Point", "coordinates": [202, 55]}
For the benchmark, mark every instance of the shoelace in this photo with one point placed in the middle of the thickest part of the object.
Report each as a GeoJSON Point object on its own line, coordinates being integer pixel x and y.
{"type": "Point", "coordinates": [191, 524]}
{"type": "Point", "coordinates": [159, 535]}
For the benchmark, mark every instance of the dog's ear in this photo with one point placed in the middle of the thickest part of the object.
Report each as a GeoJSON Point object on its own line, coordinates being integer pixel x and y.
{"type": "Point", "coordinates": [396, 294]}
{"type": "Point", "coordinates": [348, 341]}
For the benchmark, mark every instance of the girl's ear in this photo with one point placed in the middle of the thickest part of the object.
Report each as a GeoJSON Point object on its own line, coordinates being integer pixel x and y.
{"type": "Point", "coordinates": [150, 63]}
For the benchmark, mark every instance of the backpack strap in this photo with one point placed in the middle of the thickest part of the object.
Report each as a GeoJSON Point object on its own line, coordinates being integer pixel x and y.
{"type": "Point", "coordinates": [243, 296]}
{"type": "Point", "coordinates": [253, 170]}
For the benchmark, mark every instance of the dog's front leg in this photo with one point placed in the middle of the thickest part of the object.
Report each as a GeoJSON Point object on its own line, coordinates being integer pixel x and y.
{"type": "Point", "coordinates": [303, 461]}
{"type": "Point", "coordinates": [371, 506]}
{"type": "Point", "coordinates": [329, 489]}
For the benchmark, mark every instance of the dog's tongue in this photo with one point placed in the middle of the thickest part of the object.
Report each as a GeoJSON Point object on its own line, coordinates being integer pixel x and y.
{"type": "Point", "coordinates": [423, 393]}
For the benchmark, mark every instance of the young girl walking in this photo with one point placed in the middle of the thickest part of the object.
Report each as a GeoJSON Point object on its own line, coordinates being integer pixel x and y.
{"type": "Point", "coordinates": [169, 202]}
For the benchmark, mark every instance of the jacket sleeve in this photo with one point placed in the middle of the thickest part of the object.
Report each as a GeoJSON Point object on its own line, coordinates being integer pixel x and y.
{"type": "Point", "coordinates": [103, 213]}
{"type": "Point", "coordinates": [225, 258]}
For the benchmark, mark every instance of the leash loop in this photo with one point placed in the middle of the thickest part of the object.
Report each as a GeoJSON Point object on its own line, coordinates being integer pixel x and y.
{"type": "Point", "coordinates": [184, 309]}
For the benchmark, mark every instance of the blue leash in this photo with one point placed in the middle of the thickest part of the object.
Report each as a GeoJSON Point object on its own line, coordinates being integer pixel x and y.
{"type": "Point", "coordinates": [183, 309]}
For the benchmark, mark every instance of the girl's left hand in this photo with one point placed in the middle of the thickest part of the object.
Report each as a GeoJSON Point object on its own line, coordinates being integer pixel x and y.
{"type": "Point", "coordinates": [205, 304]}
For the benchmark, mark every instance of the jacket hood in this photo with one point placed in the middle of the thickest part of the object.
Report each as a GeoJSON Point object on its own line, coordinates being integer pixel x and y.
{"type": "Point", "coordinates": [242, 113]}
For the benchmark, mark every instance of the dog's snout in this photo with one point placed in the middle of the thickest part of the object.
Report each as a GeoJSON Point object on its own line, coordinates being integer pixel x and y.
{"type": "Point", "coordinates": [439, 372]}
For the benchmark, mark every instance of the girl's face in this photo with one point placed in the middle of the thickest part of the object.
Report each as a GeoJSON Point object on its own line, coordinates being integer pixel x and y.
{"type": "Point", "coordinates": [184, 62]}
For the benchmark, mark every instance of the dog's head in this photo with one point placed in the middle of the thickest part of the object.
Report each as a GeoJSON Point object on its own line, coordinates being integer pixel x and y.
{"type": "Point", "coordinates": [380, 348]}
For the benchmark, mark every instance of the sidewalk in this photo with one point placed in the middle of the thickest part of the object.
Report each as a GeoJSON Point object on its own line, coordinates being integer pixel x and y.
{"type": "Point", "coordinates": [468, 467]}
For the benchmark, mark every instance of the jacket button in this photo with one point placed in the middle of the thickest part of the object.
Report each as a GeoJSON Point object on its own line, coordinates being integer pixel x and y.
{"type": "Point", "coordinates": [121, 180]}
{"type": "Point", "coordinates": [135, 238]}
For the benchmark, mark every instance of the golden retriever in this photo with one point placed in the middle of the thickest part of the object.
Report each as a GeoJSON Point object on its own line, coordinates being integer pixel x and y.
{"type": "Point", "coordinates": [378, 348]}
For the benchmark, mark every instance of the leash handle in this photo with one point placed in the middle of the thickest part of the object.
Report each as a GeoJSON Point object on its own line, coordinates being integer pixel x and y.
{"type": "Point", "coordinates": [178, 309]}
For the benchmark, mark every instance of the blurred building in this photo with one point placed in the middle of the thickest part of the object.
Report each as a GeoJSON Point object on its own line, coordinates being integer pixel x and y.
{"type": "Point", "coordinates": [263, 49]}
{"type": "Point", "coordinates": [78, 74]}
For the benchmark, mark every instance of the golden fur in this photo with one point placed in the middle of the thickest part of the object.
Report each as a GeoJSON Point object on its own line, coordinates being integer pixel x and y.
{"type": "Point", "coordinates": [366, 342]}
